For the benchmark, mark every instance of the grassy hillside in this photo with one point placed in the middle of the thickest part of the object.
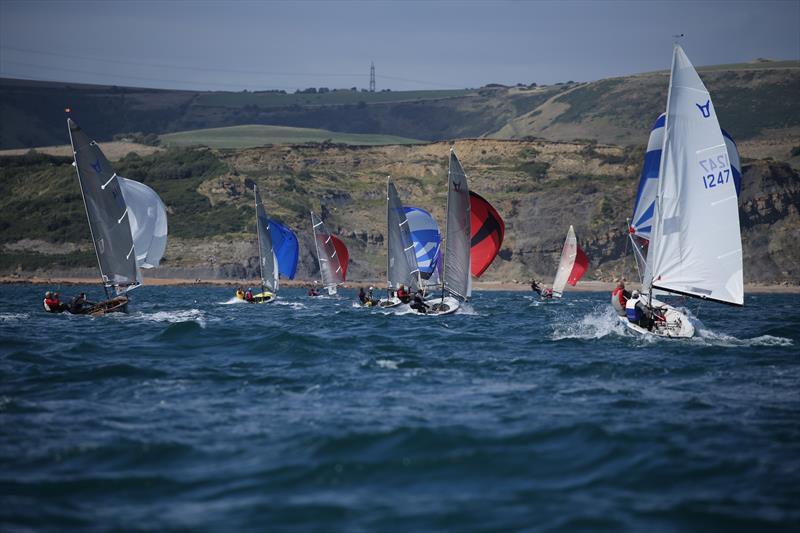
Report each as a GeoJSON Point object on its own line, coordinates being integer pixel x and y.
{"type": "Point", "coordinates": [339, 97]}
{"type": "Point", "coordinates": [752, 101]}
{"type": "Point", "coordinates": [539, 187]}
{"type": "Point", "coordinates": [253, 135]}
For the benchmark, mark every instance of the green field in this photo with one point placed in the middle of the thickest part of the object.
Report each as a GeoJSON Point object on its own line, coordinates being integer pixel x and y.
{"type": "Point", "coordinates": [267, 99]}
{"type": "Point", "coordinates": [250, 136]}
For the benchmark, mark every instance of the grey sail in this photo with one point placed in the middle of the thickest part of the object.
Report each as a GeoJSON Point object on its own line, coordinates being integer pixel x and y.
{"type": "Point", "coordinates": [458, 231]}
{"type": "Point", "coordinates": [402, 259]}
{"type": "Point", "coordinates": [106, 211]}
{"type": "Point", "coordinates": [266, 255]}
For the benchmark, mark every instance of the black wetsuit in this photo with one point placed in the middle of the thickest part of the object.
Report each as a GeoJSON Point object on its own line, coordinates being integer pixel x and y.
{"type": "Point", "coordinates": [419, 305]}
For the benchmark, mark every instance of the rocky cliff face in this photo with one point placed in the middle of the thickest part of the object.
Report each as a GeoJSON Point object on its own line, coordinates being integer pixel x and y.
{"type": "Point", "coordinates": [539, 187]}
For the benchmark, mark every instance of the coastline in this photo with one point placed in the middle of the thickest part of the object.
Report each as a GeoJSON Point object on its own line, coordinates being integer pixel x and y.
{"type": "Point", "coordinates": [583, 286]}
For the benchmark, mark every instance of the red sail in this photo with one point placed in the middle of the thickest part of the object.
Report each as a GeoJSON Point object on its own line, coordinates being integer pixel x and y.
{"type": "Point", "coordinates": [488, 230]}
{"type": "Point", "coordinates": [579, 268]}
{"type": "Point", "coordinates": [342, 254]}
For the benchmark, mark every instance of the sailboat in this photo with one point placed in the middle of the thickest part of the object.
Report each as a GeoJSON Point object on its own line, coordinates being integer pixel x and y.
{"type": "Point", "coordinates": [332, 255]}
{"type": "Point", "coordinates": [267, 259]}
{"type": "Point", "coordinates": [695, 246]}
{"type": "Point", "coordinates": [127, 222]}
{"type": "Point", "coordinates": [572, 265]}
{"type": "Point", "coordinates": [401, 257]}
{"type": "Point", "coordinates": [464, 241]}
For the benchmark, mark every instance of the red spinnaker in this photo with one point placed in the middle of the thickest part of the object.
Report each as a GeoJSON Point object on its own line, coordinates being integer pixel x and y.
{"type": "Point", "coordinates": [488, 230]}
{"type": "Point", "coordinates": [342, 254]}
{"type": "Point", "coordinates": [579, 268]}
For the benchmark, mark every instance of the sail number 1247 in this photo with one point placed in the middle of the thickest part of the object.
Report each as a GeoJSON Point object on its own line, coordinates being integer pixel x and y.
{"type": "Point", "coordinates": [716, 171]}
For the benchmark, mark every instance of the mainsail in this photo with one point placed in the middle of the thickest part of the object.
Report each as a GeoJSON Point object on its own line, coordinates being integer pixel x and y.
{"type": "Point", "coordinates": [488, 230]}
{"type": "Point", "coordinates": [458, 232]}
{"type": "Point", "coordinates": [696, 247]}
{"type": "Point", "coordinates": [644, 207]}
{"type": "Point", "coordinates": [572, 266]}
{"type": "Point", "coordinates": [427, 242]}
{"type": "Point", "coordinates": [267, 261]}
{"type": "Point", "coordinates": [107, 213]}
{"type": "Point", "coordinates": [147, 216]}
{"type": "Point", "coordinates": [284, 244]}
{"type": "Point", "coordinates": [400, 256]}
{"type": "Point", "coordinates": [332, 254]}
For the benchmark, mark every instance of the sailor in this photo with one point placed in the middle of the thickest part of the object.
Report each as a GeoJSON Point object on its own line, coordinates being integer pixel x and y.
{"type": "Point", "coordinates": [362, 296]}
{"type": "Point", "coordinates": [50, 305]}
{"type": "Point", "coordinates": [79, 303]}
{"type": "Point", "coordinates": [240, 293]}
{"type": "Point", "coordinates": [638, 312]}
{"type": "Point", "coordinates": [249, 295]}
{"type": "Point", "coordinates": [536, 287]}
{"type": "Point", "coordinates": [619, 297]}
{"type": "Point", "coordinates": [403, 295]}
{"type": "Point", "coordinates": [419, 304]}
{"type": "Point", "coordinates": [312, 291]}
{"type": "Point", "coordinates": [547, 293]}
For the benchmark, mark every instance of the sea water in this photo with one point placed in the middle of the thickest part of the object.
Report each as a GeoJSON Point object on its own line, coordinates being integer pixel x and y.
{"type": "Point", "coordinates": [194, 412]}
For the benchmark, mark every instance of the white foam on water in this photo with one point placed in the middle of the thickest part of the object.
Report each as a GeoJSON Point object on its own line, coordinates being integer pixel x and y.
{"type": "Point", "coordinates": [601, 322]}
{"type": "Point", "coordinates": [466, 309]}
{"type": "Point", "coordinates": [387, 363]}
{"type": "Point", "coordinates": [296, 306]}
{"type": "Point", "coordinates": [13, 317]}
{"type": "Point", "coordinates": [173, 317]}
{"type": "Point", "coordinates": [233, 300]}
{"type": "Point", "coordinates": [707, 337]}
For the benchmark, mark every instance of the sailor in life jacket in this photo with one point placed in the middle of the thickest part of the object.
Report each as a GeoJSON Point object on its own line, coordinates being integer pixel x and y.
{"type": "Point", "coordinates": [51, 303]}
{"type": "Point", "coordinates": [619, 298]}
{"type": "Point", "coordinates": [632, 310]}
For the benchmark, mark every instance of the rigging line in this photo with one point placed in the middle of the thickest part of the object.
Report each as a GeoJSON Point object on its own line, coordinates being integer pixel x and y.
{"type": "Point", "coordinates": [112, 75]}
{"type": "Point", "coordinates": [181, 67]}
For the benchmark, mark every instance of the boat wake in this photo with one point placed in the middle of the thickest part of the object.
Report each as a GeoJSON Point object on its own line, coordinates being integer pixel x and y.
{"type": "Point", "coordinates": [601, 322]}
{"type": "Point", "coordinates": [707, 337]}
{"type": "Point", "coordinates": [233, 300]}
{"type": "Point", "coordinates": [296, 306]}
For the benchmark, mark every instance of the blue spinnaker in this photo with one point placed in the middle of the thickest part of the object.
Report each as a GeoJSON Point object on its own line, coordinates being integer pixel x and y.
{"type": "Point", "coordinates": [427, 239]}
{"type": "Point", "coordinates": [284, 244]}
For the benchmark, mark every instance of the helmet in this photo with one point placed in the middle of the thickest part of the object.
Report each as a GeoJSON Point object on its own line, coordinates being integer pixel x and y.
{"type": "Point", "coordinates": [372, 288]}
{"type": "Point", "coordinates": [48, 294]}
{"type": "Point", "coordinates": [635, 294]}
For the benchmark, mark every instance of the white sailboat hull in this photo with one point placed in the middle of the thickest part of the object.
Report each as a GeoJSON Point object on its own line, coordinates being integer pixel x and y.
{"type": "Point", "coordinates": [439, 306]}
{"type": "Point", "coordinates": [676, 324]}
{"type": "Point", "coordinates": [389, 302]}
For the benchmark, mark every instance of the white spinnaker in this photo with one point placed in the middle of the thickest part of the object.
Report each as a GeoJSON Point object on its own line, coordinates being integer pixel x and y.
{"type": "Point", "coordinates": [696, 249]}
{"type": "Point", "coordinates": [568, 255]}
{"type": "Point", "coordinates": [148, 219]}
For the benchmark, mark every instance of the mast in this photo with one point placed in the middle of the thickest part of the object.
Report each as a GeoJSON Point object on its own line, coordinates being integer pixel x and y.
{"type": "Point", "coordinates": [258, 237]}
{"type": "Point", "coordinates": [86, 209]}
{"type": "Point", "coordinates": [388, 233]}
{"type": "Point", "coordinates": [446, 221]}
{"type": "Point", "coordinates": [657, 225]}
{"type": "Point", "coordinates": [316, 246]}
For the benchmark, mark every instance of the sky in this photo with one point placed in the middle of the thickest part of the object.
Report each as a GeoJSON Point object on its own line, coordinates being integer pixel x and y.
{"type": "Point", "coordinates": [258, 45]}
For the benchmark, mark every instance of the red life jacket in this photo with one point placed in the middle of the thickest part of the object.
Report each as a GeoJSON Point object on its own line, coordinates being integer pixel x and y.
{"type": "Point", "coordinates": [620, 294]}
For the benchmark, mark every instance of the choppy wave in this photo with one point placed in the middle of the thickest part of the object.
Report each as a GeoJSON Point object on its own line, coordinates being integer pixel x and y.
{"type": "Point", "coordinates": [191, 414]}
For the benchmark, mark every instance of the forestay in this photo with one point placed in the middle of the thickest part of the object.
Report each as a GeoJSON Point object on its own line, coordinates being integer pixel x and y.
{"type": "Point", "coordinates": [267, 260]}
{"type": "Point", "coordinates": [696, 244]}
{"type": "Point", "coordinates": [401, 257]}
{"type": "Point", "coordinates": [147, 216]}
{"type": "Point", "coordinates": [457, 234]}
{"type": "Point", "coordinates": [106, 211]}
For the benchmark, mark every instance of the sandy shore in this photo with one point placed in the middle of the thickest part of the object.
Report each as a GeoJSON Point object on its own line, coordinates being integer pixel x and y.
{"type": "Point", "coordinates": [583, 286]}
